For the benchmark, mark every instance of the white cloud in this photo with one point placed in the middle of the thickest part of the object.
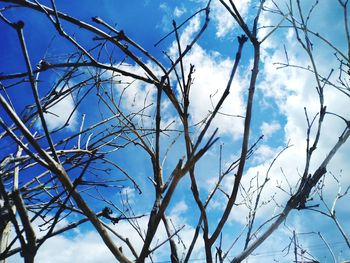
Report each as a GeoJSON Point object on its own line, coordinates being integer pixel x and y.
{"type": "Point", "coordinates": [169, 14]}
{"type": "Point", "coordinates": [269, 128]}
{"type": "Point", "coordinates": [224, 21]}
{"type": "Point", "coordinates": [211, 75]}
{"type": "Point", "coordinates": [263, 153]}
{"type": "Point", "coordinates": [180, 208]}
{"type": "Point", "coordinates": [179, 11]}
{"type": "Point", "coordinates": [128, 195]}
{"type": "Point", "coordinates": [59, 113]}
{"type": "Point", "coordinates": [135, 96]}
{"type": "Point", "coordinates": [87, 246]}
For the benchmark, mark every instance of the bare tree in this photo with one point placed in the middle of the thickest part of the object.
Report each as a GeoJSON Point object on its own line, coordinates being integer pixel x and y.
{"type": "Point", "coordinates": [53, 178]}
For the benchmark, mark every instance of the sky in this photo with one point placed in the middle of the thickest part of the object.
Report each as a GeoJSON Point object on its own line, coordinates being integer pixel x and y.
{"type": "Point", "coordinates": [282, 93]}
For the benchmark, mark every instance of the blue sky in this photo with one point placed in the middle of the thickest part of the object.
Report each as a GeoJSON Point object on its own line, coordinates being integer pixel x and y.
{"type": "Point", "coordinates": [278, 113]}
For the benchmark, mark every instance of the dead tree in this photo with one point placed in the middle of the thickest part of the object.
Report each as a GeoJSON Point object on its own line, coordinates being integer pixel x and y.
{"type": "Point", "coordinates": [52, 174]}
